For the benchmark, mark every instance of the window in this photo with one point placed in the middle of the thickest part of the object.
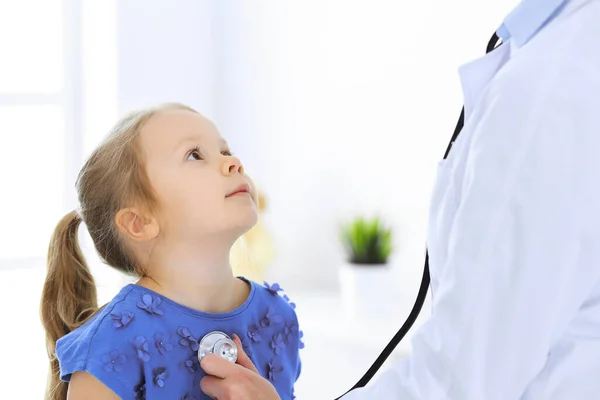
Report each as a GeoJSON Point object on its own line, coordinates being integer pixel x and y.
{"type": "Point", "coordinates": [57, 99]}
{"type": "Point", "coordinates": [38, 102]}
{"type": "Point", "coordinates": [57, 96]}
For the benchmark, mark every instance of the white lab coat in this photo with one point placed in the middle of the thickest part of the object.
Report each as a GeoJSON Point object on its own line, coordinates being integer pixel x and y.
{"type": "Point", "coordinates": [514, 230]}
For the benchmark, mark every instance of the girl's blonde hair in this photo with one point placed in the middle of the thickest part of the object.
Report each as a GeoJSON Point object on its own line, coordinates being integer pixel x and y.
{"type": "Point", "coordinates": [112, 178]}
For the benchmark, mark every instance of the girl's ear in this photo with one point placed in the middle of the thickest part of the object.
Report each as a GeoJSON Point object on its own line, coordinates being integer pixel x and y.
{"type": "Point", "coordinates": [136, 226]}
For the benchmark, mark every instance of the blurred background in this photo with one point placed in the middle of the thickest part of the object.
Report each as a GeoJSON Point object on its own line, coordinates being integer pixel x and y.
{"type": "Point", "coordinates": [339, 110]}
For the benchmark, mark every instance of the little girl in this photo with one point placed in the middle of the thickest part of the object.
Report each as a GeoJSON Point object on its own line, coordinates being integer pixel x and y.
{"type": "Point", "coordinates": [164, 200]}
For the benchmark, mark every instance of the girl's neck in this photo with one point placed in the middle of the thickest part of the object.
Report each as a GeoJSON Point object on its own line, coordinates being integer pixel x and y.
{"type": "Point", "coordinates": [201, 280]}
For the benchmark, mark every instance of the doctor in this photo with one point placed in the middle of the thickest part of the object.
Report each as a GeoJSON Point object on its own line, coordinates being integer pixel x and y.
{"type": "Point", "coordinates": [514, 229]}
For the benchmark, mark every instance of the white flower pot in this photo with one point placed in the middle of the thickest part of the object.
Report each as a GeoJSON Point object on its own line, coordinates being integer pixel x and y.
{"type": "Point", "coordinates": [367, 291]}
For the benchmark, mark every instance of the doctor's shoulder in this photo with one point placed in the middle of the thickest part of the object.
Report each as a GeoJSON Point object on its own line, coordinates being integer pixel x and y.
{"type": "Point", "coordinates": [104, 357]}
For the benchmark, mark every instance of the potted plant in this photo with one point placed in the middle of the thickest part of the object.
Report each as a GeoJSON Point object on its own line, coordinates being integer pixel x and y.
{"type": "Point", "coordinates": [365, 277]}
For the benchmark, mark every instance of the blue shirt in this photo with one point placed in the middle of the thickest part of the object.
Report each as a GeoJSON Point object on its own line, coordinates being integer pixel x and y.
{"type": "Point", "coordinates": [143, 345]}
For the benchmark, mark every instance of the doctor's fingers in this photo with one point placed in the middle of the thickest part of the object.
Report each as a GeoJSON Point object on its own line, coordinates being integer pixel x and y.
{"type": "Point", "coordinates": [219, 367]}
{"type": "Point", "coordinates": [221, 389]}
{"type": "Point", "coordinates": [243, 386]}
{"type": "Point", "coordinates": [226, 389]}
{"type": "Point", "coordinates": [211, 386]}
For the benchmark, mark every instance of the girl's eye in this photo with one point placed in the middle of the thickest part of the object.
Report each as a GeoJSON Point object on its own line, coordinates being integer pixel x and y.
{"type": "Point", "coordinates": [226, 153]}
{"type": "Point", "coordinates": [195, 155]}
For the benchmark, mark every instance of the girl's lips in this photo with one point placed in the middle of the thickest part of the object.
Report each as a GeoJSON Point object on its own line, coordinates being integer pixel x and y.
{"type": "Point", "coordinates": [243, 189]}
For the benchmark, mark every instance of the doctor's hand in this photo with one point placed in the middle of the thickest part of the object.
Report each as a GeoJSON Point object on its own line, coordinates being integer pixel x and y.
{"type": "Point", "coordinates": [241, 381]}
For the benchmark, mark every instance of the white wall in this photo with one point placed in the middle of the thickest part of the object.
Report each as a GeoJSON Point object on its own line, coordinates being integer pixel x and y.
{"type": "Point", "coordinates": [165, 53]}
{"type": "Point", "coordinates": [336, 107]}
{"type": "Point", "coordinates": [369, 97]}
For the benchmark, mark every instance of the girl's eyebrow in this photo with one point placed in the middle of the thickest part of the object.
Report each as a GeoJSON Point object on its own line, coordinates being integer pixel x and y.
{"type": "Point", "coordinates": [195, 140]}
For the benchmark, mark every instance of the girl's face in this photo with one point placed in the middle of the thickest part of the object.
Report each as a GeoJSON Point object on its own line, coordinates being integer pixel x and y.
{"type": "Point", "coordinates": [202, 189]}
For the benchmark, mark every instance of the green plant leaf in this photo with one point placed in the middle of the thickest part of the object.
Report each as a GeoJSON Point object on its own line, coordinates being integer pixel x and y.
{"type": "Point", "coordinates": [366, 241]}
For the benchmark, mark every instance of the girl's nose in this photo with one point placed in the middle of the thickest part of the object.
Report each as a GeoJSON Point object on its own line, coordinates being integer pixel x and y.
{"type": "Point", "coordinates": [232, 165]}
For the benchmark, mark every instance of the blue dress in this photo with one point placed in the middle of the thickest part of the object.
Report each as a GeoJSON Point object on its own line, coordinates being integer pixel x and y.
{"type": "Point", "coordinates": [143, 345]}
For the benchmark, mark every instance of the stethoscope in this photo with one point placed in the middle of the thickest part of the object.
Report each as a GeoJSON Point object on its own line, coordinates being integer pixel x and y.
{"type": "Point", "coordinates": [219, 343]}
{"type": "Point", "coordinates": [425, 281]}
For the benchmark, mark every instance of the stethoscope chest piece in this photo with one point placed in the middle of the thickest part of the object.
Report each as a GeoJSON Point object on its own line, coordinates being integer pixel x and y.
{"type": "Point", "coordinates": [218, 343]}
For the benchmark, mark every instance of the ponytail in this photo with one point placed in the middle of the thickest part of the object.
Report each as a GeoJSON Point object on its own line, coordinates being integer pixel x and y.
{"type": "Point", "coordinates": [69, 295]}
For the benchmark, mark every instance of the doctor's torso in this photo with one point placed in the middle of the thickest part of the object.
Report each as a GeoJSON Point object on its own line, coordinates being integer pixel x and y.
{"type": "Point", "coordinates": [514, 224]}
{"type": "Point", "coordinates": [484, 185]}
